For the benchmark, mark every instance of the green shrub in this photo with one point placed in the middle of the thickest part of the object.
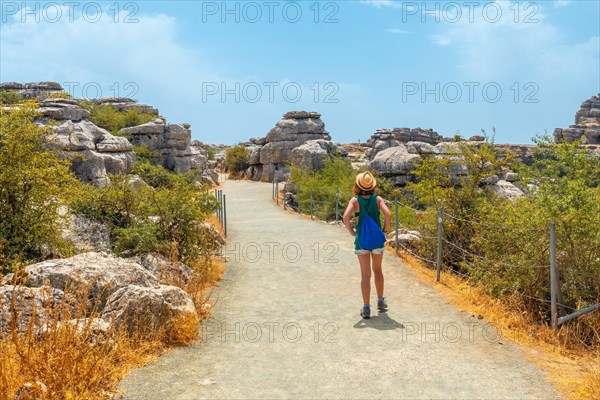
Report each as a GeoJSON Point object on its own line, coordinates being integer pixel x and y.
{"type": "Point", "coordinates": [9, 97]}
{"type": "Point", "coordinates": [146, 219]}
{"type": "Point", "coordinates": [34, 181]}
{"type": "Point", "coordinates": [504, 244]}
{"type": "Point", "coordinates": [113, 120]}
{"type": "Point", "coordinates": [236, 159]}
{"type": "Point", "coordinates": [335, 179]}
{"type": "Point", "coordinates": [137, 239]}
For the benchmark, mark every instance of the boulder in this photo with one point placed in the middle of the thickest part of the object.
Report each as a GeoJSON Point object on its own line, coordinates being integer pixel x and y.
{"type": "Point", "coordinates": [93, 151]}
{"type": "Point", "coordinates": [155, 127]}
{"type": "Point", "coordinates": [86, 235]}
{"type": "Point", "coordinates": [421, 148]}
{"type": "Point", "coordinates": [143, 308]}
{"type": "Point", "coordinates": [313, 153]}
{"type": "Point", "coordinates": [62, 109]}
{"type": "Point", "coordinates": [507, 190]}
{"type": "Point", "coordinates": [27, 303]}
{"type": "Point", "coordinates": [396, 163]}
{"type": "Point", "coordinates": [385, 138]}
{"type": "Point", "coordinates": [166, 271]}
{"type": "Point", "coordinates": [99, 274]}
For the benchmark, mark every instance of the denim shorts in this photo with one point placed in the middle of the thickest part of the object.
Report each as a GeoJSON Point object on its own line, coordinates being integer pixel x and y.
{"type": "Point", "coordinates": [374, 251]}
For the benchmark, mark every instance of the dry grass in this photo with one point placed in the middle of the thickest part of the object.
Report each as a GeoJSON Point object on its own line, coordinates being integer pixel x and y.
{"type": "Point", "coordinates": [76, 362]}
{"type": "Point", "coordinates": [571, 368]}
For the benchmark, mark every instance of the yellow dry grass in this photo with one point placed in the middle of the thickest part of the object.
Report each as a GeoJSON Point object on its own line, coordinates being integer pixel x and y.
{"type": "Point", "coordinates": [74, 362]}
{"type": "Point", "coordinates": [572, 369]}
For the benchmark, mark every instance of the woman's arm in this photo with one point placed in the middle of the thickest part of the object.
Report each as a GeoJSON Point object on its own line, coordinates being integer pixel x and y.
{"type": "Point", "coordinates": [386, 211]}
{"type": "Point", "coordinates": [347, 214]}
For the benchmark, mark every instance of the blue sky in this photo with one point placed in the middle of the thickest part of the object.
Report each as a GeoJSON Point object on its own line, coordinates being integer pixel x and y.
{"type": "Point", "coordinates": [231, 69]}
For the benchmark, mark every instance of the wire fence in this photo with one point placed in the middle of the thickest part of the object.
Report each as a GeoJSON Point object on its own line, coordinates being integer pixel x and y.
{"type": "Point", "coordinates": [329, 205]}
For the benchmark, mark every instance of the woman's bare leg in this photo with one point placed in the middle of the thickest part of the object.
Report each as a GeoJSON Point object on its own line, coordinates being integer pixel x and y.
{"type": "Point", "coordinates": [377, 259]}
{"type": "Point", "coordinates": [365, 271]}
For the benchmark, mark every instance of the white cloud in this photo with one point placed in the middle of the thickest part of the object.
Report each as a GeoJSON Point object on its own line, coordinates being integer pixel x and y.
{"type": "Point", "coordinates": [145, 52]}
{"type": "Point", "coordinates": [396, 30]}
{"type": "Point", "coordinates": [561, 3]}
{"type": "Point", "coordinates": [505, 48]}
{"type": "Point", "coordinates": [383, 3]}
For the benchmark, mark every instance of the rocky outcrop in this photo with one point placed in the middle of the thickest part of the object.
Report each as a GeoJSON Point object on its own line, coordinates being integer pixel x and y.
{"type": "Point", "coordinates": [121, 290]}
{"type": "Point", "coordinates": [507, 190]}
{"type": "Point", "coordinates": [313, 153]}
{"type": "Point", "coordinates": [166, 271]}
{"type": "Point", "coordinates": [94, 152]}
{"type": "Point", "coordinates": [385, 138]}
{"type": "Point", "coordinates": [396, 163]}
{"type": "Point", "coordinates": [587, 124]}
{"type": "Point", "coordinates": [271, 156]}
{"type": "Point", "coordinates": [20, 304]}
{"type": "Point", "coordinates": [40, 90]}
{"type": "Point", "coordinates": [86, 235]}
{"type": "Point", "coordinates": [171, 142]}
{"type": "Point", "coordinates": [124, 104]}
{"type": "Point", "coordinates": [146, 309]}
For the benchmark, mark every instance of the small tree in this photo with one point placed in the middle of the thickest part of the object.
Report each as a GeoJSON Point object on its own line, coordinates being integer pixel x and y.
{"type": "Point", "coordinates": [34, 180]}
{"type": "Point", "coordinates": [236, 159]}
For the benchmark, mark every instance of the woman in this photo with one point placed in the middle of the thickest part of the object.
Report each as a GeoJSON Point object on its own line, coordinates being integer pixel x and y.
{"type": "Point", "coordinates": [366, 202]}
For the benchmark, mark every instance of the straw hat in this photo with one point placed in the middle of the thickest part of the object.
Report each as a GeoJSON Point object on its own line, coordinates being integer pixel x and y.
{"type": "Point", "coordinates": [366, 181]}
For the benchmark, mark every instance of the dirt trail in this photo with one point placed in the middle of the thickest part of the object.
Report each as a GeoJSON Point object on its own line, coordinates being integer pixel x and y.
{"type": "Point", "coordinates": [286, 325]}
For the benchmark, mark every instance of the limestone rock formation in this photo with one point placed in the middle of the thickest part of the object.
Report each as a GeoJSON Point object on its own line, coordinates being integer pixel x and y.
{"type": "Point", "coordinates": [587, 124]}
{"type": "Point", "coordinates": [120, 288]}
{"type": "Point", "coordinates": [124, 104]}
{"type": "Point", "coordinates": [313, 153]}
{"type": "Point", "coordinates": [507, 190]}
{"type": "Point", "coordinates": [399, 162]}
{"type": "Point", "coordinates": [147, 308]}
{"type": "Point", "coordinates": [270, 156]}
{"type": "Point", "coordinates": [164, 270]}
{"type": "Point", "coordinates": [28, 303]}
{"type": "Point", "coordinates": [396, 163]}
{"type": "Point", "coordinates": [86, 235]}
{"type": "Point", "coordinates": [172, 143]}
{"type": "Point", "coordinates": [40, 90]}
{"type": "Point", "coordinates": [101, 274]}
{"type": "Point", "coordinates": [94, 152]}
{"type": "Point", "coordinates": [386, 138]}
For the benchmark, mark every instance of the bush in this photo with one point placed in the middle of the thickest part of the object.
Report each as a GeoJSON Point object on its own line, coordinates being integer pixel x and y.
{"type": "Point", "coordinates": [335, 179]}
{"type": "Point", "coordinates": [9, 97]}
{"type": "Point", "coordinates": [236, 159]}
{"type": "Point", "coordinates": [163, 219]}
{"type": "Point", "coordinates": [113, 120]}
{"type": "Point", "coordinates": [503, 244]}
{"type": "Point", "coordinates": [34, 181]}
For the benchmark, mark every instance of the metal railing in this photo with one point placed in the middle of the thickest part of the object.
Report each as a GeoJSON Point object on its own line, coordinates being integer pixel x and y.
{"type": "Point", "coordinates": [221, 212]}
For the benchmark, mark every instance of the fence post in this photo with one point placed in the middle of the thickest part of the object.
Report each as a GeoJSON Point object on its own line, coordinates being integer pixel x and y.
{"type": "Point", "coordinates": [273, 189]}
{"type": "Point", "coordinates": [337, 200]}
{"type": "Point", "coordinates": [553, 277]}
{"type": "Point", "coordinates": [311, 205]}
{"type": "Point", "coordinates": [221, 207]}
{"type": "Point", "coordinates": [298, 200]}
{"type": "Point", "coordinates": [439, 246]}
{"type": "Point", "coordinates": [225, 214]}
{"type": "Point", "coordinates": [277, 193]}
{"type": "Point", "coordinates": [396, 211]}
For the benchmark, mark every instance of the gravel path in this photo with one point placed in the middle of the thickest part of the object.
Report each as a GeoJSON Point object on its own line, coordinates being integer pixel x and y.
{"type": "Point", "coordinates": [286, 325]}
